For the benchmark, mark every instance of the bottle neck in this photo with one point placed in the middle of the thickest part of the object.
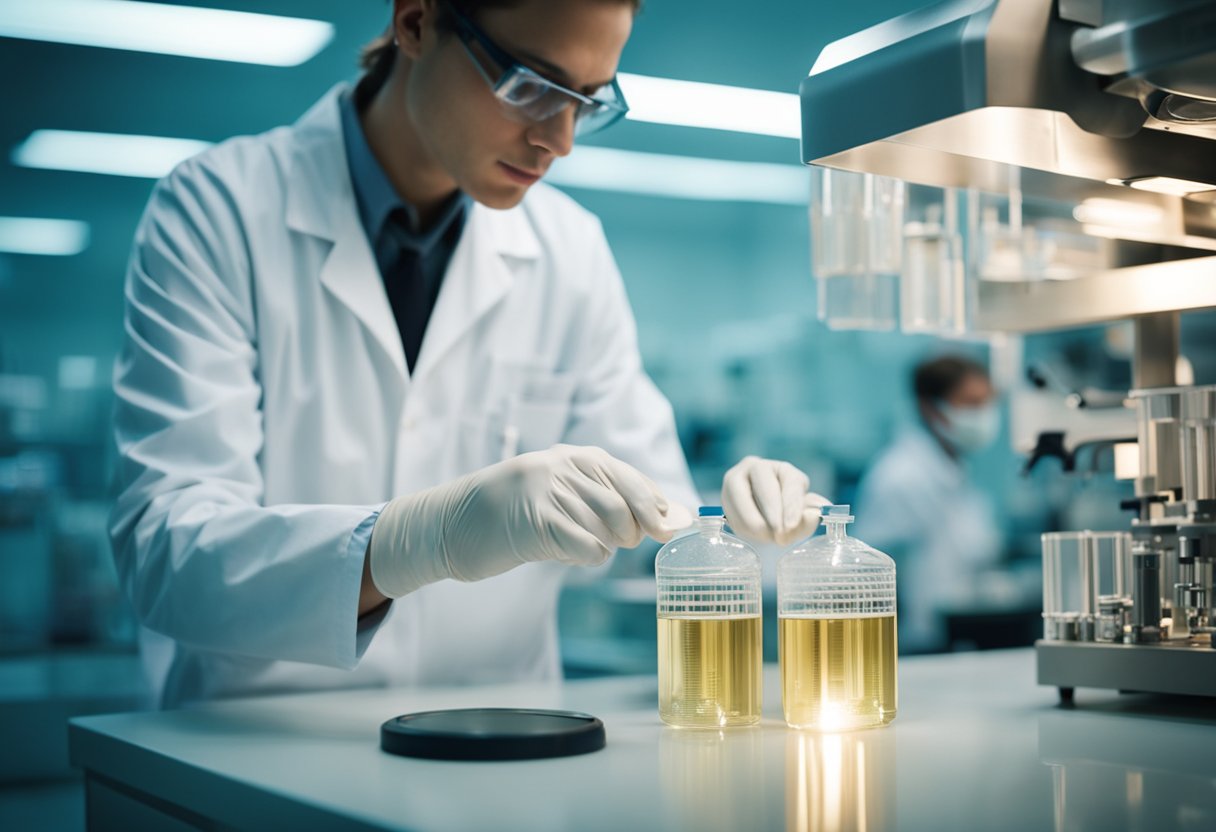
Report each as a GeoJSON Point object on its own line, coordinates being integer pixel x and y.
{"type": "Point", "coordinates": [710, 526]}
{"type": "Point", "coordinates": [836, 532]}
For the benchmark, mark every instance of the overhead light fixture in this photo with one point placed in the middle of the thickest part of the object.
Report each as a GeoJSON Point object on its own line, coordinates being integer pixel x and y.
{"type": "Point", "coordinates": [599, 168]}
{"type": "Point", "coordinates": [1115, 213]}
{"type": "Point", "coordinates": [192, 31]}
{"type": "Point", "coordinates": [713, 106]}
{"type": "Point", "coordinates": [117, 154]}
{"type": "Point", "coordinates": [30, 235]}
{"type": "Point", "coordinates": [683, 177]}
{"type": "Point", "coordinates": [1164, 185]}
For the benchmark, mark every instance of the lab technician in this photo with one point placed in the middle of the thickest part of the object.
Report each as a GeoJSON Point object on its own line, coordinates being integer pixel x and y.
{"type": "Point", "coordinates": [919, 504]}
{"type": "Point", "coordinates": [380, 387]}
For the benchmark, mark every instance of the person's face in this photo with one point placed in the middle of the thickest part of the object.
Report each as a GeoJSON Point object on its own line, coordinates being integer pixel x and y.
{"type": "Point", "coordinates": [967, 419]}
{"type": "Point", "coordinates": [492, 156]}
{"type": "Point", "coordinates": [974, 390]}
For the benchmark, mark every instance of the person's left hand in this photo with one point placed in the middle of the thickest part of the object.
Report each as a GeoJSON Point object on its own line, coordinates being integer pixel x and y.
{"type": "Point", "coordinates": [768, 501]}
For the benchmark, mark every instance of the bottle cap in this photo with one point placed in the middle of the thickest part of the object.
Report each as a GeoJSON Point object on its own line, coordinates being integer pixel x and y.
{"type": "Point", "coordinates": [710, 511]}
{"type": "Point", "coordinates": [838, 513]}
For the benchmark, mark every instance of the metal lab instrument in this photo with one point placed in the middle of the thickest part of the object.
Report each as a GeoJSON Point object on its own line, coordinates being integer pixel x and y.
{"type": "Point", "coordinates": [1011, 166]}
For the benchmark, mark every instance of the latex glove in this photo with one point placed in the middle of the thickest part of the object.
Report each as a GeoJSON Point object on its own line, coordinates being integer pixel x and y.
{"type": "Point", "coordinates": [569, 504]}
{"type": "Point", "coordinates": [767, 501]}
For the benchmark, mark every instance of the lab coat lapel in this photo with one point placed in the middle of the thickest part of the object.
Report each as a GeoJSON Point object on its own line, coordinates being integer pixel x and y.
{"type": "Point", "coordinates": [351, 275]}
{"type": "Point", "coordinates": [321, 203]}
{"type": "Point", "coordinates": [495, 245]}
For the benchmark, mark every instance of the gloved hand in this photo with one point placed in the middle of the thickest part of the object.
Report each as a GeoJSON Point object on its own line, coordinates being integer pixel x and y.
{"type": "Point", "coordinates": [570, 504]}
{"type": "Point", "coordinates": [767, 501]}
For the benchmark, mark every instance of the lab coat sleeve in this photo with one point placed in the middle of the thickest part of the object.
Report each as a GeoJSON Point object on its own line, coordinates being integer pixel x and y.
{"type": "Point", "coordinates": [616, 406]}
{"type": "Point", "coordinates": [200, 556]}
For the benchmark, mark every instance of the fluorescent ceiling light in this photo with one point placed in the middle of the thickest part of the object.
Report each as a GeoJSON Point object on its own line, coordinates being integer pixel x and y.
{"type": "Point", "coordinates": [1164, 185]}
{"type": "Point", "coordinates": [118, 154]}
{"type": "Point", "coordinates": [27, 235]}
{"type": "Point", "coordinates": [599, 168]}
{"type": "Point", "coordinates": [685, 177]}
{"type": "Point", "coordinates": [715, 106]}
{"type": "Point", "coordinates": [191, 31]}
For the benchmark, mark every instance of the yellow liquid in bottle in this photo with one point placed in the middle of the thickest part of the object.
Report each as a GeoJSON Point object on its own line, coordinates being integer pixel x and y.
{"type": "Point", "coordinates": [838, 673]}
{"type": "Point", "coordinates": [709, 671]}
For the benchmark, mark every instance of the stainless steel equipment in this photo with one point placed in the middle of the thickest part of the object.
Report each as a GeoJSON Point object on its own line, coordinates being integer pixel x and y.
{"type": "Point", "coordinates": [1000, 96]}
{"type": "Point", "coordinates": [1149, 624]}
{"type": "Point", "coordinates": [1105, 106]}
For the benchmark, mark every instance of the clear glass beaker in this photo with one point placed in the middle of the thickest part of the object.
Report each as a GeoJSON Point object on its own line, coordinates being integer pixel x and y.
{"type": "Point", "coordinates": [1068, 587]}
{"type": "Point", "coordinates": [709, 628]}
{"type": "Point", "coordinates": [1112, 566]}
{"type": "Point", "coordinates": [836, 614]}
{"type": "Point", "coordinates": [856, 247]}
{"type": "Point", "coordinates": [932, 284]}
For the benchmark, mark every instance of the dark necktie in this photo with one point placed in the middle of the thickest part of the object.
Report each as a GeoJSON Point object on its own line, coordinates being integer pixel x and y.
{"type": "Point", "coordinates": [406, 286]}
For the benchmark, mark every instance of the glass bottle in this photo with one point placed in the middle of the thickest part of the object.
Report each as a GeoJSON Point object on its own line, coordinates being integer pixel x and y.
{"type": "Point", "coordinates": [709, 628]}
{"type": "Point", "coordinates": [836, 617]}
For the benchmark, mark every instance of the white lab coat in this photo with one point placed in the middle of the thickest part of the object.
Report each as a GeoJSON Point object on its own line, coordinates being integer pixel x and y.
{"type": "Point", "coordinates": [918, 504]}
{"type": "Point", "coordinates": [264, 411]}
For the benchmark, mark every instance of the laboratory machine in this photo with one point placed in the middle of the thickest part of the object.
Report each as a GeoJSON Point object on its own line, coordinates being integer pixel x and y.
{"type": "Point", "coordinates": [1013, 166]}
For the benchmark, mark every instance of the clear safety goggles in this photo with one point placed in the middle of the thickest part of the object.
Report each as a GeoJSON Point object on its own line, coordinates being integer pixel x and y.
{"type": "Point", "coordinates": [530, 96]}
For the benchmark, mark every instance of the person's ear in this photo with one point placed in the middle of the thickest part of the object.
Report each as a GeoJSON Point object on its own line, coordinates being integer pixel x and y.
{"type": "Point", "coordinates": [411, 18]}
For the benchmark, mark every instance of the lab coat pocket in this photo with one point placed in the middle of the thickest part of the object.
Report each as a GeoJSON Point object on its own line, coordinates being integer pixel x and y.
{"type": "Point", "coordinates": [540, 423]}
{"type": "Point", "coordinates": [539, 409]}
{"type": "Point", "coordinates": [535, 404]}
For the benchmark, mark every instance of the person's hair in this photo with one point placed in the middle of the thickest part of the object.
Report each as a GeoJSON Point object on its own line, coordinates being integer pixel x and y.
{"type": "Point", "coordinates": [377, 56]}
{"type": "Point", "coordinates": [937, 378]}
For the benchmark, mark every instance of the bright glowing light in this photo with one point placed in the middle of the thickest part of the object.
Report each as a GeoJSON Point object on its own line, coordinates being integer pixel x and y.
{"type": "Point", "coordinates": [117, 154]}
{"type": "Point", "coordinates": [217, 34]}
{"type": "Point", "coordinates": [28, 235]}
{"type": "Point", "coordinates": [1127, 461]}
{"type": "Point", "coordinates": [713, 106]}
{"type": "Point", "coordinates": [1117, 214]}
{"type": "Point", "coordinates": [684, 177]}
{"type": "Point", "coordinates": [598, 168]}
{"type": "Point", "coordinates": [1164, 185]}
{"type": "Point", "coordinates": [834, 716]}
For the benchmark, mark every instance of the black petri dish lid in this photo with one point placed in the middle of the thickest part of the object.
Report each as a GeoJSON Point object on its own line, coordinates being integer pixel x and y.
{"type": "Point", "coordinates": [492, 734]}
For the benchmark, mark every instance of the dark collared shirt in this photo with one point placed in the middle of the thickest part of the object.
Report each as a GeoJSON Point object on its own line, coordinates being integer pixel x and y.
{"type": "Point", "coordinates": [389, 221]}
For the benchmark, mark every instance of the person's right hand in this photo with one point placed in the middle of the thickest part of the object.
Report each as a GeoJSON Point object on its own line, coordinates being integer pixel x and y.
{"type": "Point", "coordinates": [769, 501]}
{"type": "Point", "coordinates": [570, 504]}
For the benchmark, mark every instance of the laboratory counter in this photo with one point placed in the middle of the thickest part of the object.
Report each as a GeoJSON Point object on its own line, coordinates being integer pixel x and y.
{"type": "Point", "coordinates": [977, 745]}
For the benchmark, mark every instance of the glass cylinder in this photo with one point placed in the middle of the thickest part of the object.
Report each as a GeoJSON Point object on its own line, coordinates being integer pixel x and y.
{"type": "Point", "coordinates": [1068, 587]}
{"type": "Point", "coordinates": [1112, 565]}
{"type": "Point", "coordinates": [709, 628]}
{"type": "Point", "coordinates": [932, 285]}
{"type": "Point", "coordinates": [836, 618]}
{"type": "Point", "coordinates": [856, 247]}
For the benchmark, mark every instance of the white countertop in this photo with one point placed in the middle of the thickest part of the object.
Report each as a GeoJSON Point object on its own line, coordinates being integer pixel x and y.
{"type": "Point", "coordinates": [976, 745]}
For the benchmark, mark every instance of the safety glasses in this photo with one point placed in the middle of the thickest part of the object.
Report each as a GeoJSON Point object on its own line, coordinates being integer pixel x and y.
{"type": "Point", "coordinates": [528, 95]}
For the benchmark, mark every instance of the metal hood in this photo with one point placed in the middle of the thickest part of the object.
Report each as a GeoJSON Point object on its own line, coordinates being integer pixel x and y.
{"type": "Point", "coordinates": [1077, 98]}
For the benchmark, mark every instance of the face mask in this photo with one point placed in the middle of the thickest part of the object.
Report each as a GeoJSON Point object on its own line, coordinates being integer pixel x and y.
{"type": "Point", "coordinates": [969, 429]}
